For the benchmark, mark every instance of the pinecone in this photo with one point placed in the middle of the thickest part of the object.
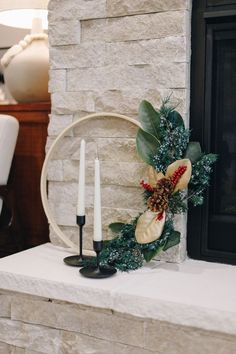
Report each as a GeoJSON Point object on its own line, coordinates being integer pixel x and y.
{"type": "Point", "coordinates": [158, 201]}
{"type": "Point", "coordinates": [165, 186]}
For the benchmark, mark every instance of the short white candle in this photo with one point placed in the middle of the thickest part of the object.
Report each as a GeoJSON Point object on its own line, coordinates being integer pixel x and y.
{"type": "Point", "coordinates": [81, 188]}
{"type": "Point", "coordinates": [97, 231]}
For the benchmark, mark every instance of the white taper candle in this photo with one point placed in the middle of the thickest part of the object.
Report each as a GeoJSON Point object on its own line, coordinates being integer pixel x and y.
{"type": "Point", "coordinates": [97, 231]}
{"type": "Point", "coordinates": [81, 188]}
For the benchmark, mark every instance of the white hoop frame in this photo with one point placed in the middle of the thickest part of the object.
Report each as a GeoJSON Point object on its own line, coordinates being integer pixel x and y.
{"type": "Point", "coordinates": [43, 181]}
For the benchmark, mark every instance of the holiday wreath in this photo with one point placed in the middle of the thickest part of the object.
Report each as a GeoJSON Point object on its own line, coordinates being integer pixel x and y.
{"type": "Point", "coordinates": [175, 163]}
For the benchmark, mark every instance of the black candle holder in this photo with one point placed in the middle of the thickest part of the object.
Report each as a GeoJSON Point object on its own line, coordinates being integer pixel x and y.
{"type": "Point", "coordinates": [79, 260]}
{"type": "Point", "coordinates": [98, 272]}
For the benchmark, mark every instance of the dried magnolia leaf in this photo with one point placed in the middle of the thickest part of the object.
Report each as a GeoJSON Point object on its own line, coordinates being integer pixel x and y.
{"type": "Point", "coordinates": [148, 228]}
{"type": "Point", "coordinates": [185, 178]}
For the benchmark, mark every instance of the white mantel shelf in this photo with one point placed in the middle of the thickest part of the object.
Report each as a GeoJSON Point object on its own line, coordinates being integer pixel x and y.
{"type": "Point", "coordinates": [194, 293]}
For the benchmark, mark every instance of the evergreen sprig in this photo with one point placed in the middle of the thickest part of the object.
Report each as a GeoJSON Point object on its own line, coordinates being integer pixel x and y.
{"type": "Point", "coordinates": [123, 252]}
{"type": "Point", "coordinates": [200, 179]}
{"type": "Point", "coordinates": [174, 138]}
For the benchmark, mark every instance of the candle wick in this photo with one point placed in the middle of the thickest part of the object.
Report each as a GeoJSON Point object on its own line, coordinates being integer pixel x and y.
{"type": "Point", "coordinates": [96, 151]}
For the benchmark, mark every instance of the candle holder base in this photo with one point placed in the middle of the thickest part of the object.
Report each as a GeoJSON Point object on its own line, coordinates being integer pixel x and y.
{"type": "Point", "coordinates": [98, 272]}
{"type": "Point", "coordinates": [77, 261]}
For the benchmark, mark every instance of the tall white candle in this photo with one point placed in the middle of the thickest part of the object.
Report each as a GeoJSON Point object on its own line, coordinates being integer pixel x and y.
{"type": "Point", "coordinates": [81, 188]}
{"type": "Point", "coordinates": [97, 231]}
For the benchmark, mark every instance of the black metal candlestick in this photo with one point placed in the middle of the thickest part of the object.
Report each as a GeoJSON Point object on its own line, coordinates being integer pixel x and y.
{"type": "Point", "coordinates": [98, 272]}
{"type": "Point", "coordinates": [79, 259]}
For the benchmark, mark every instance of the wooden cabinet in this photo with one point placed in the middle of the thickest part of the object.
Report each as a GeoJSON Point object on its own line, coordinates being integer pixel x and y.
{"type": "Point", "coordinates": [26, 169]}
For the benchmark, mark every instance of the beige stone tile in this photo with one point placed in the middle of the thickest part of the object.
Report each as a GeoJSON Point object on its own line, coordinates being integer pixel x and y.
{"type": "Point", "coordinates": [155, 25]}
{"type": "Point", "coordinates": [81, 9]}
{"type": "Point", "coordinates": [81, 344]}
{"type": "Point", "coordinates": [57, 81]}
{"type": "Point", "coordinates": [5, 305]}
{"type": "Point", "coordinates": [38, 338]}
{"type": "Point", "coordinates": [124, 8]}
{"type": "Point", "coordinates": [84, 55]}
{"type": "Point", "coordinates": [70, 102]}
{"type": "Point", "coordinates": [65, 32]}
{"type": "Point", "coordinates": [132, 77]}
{"type": "Point", "coordinates": [173, 339]}
{"type": "Point", "coordinates": [5, 348]}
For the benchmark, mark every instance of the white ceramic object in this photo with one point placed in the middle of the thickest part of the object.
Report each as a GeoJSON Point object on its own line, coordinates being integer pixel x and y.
{"type": "Point", "coordinates": [9, 128]}
{"type": "Point", "coordinates": [26, 67]}
{"type": "Point", "coordinates": [43, 183]}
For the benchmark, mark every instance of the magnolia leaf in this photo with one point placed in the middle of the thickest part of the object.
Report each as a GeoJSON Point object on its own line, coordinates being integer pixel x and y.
{"type": "Point", "coordinates": [149, 118]}
{"type": "Point", "coordinates": [116, 227]}
{"type": "Point", "coordinates": [175, 119]}
{"type": "Point", "coordinates": [185, 178]}
{"type": "Point", "coordinates": [194, 151]}
{"type": "Point", "coordinates": [149, 228]}
{"type": "Point", "coordinates": [147, 146]}
{"type": "Point", "coordinates": [172, 240]}
{"type": "Point", "coordinates": [150, 254]}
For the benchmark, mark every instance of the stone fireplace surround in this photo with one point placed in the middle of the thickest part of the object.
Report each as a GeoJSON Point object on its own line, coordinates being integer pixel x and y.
{"type": "Point", "coordinates": [47, 307]}
{"type": "Point", "coordinates": [107, 56]}
{"type": "Point", "coordinates": [163, 308]}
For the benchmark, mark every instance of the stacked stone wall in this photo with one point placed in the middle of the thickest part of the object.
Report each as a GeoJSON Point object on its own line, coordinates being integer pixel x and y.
{"type": "Point", "coordinates": [36, 325]}
{"type": "Point", "coordinates": [108, 55]}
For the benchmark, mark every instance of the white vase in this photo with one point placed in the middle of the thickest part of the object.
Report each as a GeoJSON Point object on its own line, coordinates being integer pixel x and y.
{"type": "Point", "coordinates": [26, 73]}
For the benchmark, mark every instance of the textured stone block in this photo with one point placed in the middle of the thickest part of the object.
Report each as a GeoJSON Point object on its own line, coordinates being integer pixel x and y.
{"type": "Point", "coordinates": [72, 233]}
{"type": "Point", "coordinates": [156, 25]}
{"type": "Point", "coordinates": [65, 214]}
{"type": "Point", "coordinates": [57, 81]}
{"type": "Point", "coordinates": [118, 328]}
{"type": "Point", "coordinates": [127, 101]}
{"type": "Point", "coordinates": [70, 102]}
{"type": "Point", "coordinates": [152, 51]}
{"type": "Point", "coordinates": [18, 350]}
{"type": "Point", "coordinates": [5, 305]}
{"type": "Point", "coordinates": [59, 122]}
{"type": "Point", "coordinates": [182, 340]}
{"type": "Point", "coordinates": [64, 32]}
{"type": "Point", "coordinates": [123, 174]}
{"type": "Point", "coordinates": [124, 7]}
{"type": "Point", "coordinates": [164, 75]}
{"type": "Point", "coordinates": [38, 338]}
{"type": "Point", "coordinates": [75, 343]}
{"type": "Point", "coordinates": [118, 149]}
{"type": "Point", "coordinates": [105, 127]}
{"type": "Point", "coordinates": [96, 54]}
{"type": "Point", "coordinates": [55, 170]}
{"type": "Point", "coordinates": [81, 9]}
{"type": "Point", "coordinates": [112, 196]}
{"type": "Point", "coordinates": [5, 348]}
{"type": "Point", "coordinates": [70, 148]}
{"type": "Point", "coordinates": [85, 55]}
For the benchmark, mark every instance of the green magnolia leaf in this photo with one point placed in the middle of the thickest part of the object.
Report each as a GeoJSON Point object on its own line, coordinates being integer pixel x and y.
{"type": "Point", "coordinates": [116, 227]}
{"type": "Point", "coordinates": [194, 151]}
{"type": "Point", "coordinates": [172, 240]}
{"type": "Point", "coordinates": [147, 146]}
{"type": "Point", "coordinates": [149, 118]}
{"type": "Point", "coordinates": [150, 254]}
{"type": "Point", "coordinates": [175, 118]}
